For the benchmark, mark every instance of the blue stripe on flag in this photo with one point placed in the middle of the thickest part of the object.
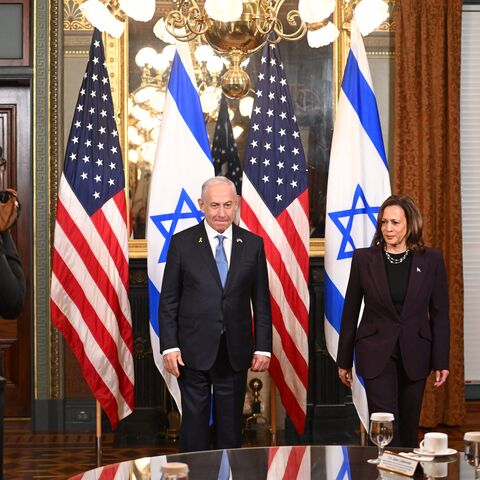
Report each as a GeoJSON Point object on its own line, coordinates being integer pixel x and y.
{"type": "Point", "coordinates": [154, 302]}
{"type": "Point", "coordinates": [188, 103]}
{"type": "Point", "coordinates": [333, 304]}
{"type": "Point", "coordinates": [344, 471]}
{"type": "Point", "coordinates": [359, 377]}
{"type": "Point", "coordinates": [363, 100]}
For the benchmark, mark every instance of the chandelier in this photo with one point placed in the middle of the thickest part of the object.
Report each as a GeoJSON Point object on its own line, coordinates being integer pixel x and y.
{"type": "Point", "coordinates": [235, 29]}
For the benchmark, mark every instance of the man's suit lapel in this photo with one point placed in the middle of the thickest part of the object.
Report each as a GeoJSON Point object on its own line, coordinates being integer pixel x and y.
{"type": "Point", "coordinates": [202, 245]}
{"type": "Point", "coordinates": [236, 256]}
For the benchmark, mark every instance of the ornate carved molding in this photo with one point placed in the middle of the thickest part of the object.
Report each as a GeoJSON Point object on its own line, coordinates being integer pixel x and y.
{"type": "Point", "coordinates": [55, 92]}
{"type": "Point", "coordinates": [72, 17]}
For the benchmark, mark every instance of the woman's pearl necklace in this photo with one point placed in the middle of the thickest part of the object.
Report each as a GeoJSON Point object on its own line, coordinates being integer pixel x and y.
{"type": "Point", "coordinates": [396, 261]}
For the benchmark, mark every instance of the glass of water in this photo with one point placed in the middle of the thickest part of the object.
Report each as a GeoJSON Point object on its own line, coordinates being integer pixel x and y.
{"type": "Point", "coordinates": [381, 432]}
{"type": "Point", "coordinates": [472, 451]}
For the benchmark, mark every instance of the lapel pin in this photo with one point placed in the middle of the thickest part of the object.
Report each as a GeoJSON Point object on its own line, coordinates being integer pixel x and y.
{"type": "Point", "coordinates": [418, 270]}
{"type": "Point", "coordinates": [239, 240]}
{"type": "Point", "coordinates": [200, 240]}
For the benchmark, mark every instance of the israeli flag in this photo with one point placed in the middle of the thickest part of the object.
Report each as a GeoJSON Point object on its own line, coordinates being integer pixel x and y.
{"type": "Point", "coordinates": [337, 462]}
{"type": "Point", "coordinates": [358, 183]}
{"type": "Point", "coordinates": [182, 163]}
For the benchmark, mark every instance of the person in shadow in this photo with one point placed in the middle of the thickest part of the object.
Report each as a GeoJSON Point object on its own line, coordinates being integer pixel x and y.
{"type": "Point", "coordinates": [12, 293]}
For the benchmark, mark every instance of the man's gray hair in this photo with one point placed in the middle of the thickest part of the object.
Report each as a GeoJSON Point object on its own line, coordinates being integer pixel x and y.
{"type": "Point", "coordinates": [217, 181]}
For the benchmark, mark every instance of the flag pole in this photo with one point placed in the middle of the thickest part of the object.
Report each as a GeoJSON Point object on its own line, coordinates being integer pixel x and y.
{"type": "Point", "coordinates": [363, 435]}
{"type": "Point", "coordinates": [99, 433]}
{"type": "Point", "coordinates": [273, 412]}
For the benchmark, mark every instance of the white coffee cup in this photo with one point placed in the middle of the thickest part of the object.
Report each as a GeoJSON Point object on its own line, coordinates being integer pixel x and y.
{"type": "Point", "coordinates": [434, 442]}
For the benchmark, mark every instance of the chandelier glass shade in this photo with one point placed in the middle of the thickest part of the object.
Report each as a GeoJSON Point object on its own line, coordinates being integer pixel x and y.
{"type": "Point", "coordinates": [237, 36]}
{"type": "Point", "coordinates": [235, 29]}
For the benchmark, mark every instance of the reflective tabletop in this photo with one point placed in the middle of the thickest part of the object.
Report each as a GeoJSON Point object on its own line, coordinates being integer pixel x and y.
{"type": "Point", "coordinates": [288, 462]}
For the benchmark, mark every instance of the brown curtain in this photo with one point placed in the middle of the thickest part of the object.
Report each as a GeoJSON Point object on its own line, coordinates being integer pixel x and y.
{"type": "Point", "coordinates": [427, 161]}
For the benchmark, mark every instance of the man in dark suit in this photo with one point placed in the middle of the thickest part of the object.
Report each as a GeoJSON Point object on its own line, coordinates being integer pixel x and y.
{"type": "Point", "coordinates": [210, 287]}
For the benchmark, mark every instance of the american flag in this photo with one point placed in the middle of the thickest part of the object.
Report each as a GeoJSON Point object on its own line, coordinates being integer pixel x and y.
{"type": "Point", "coordinates": [275, 206]}
{"type": "Point", "coordinates": [89, 292]}
{"type": "Point", "coordinates": [116, 471]}
{"type": "Point", "coordinates": [224, 148]}
{"type": "Point", "coordinates": [289, 463]}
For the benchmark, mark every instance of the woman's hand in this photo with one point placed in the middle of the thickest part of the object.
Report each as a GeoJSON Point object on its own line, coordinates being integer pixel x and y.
{"type": "Point", "coordinates": [345, 376]}
{"type": "Point", "coordinates": [440, 377]}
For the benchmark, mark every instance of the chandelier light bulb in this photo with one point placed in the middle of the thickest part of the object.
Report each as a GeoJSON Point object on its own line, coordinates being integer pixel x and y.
{"type": "Point", "coordinates": [237, 131]}
{"type": "Point", "coordinates": [369, 15]}
{"type": "Point", "coordinates": [135, 138]}
{"type": "Point", "coordinates": [157, 101]}
{"type": "Point", "coordinates": [145, 56]}
{"type": "Point", "coordinates": [100, 17]}
{"type": "Point", "coordinates": [323, 36]}
{"type": "Point", "coordinates": [214, 65]}
{"type": "Point", "coordinates": [160, 63]}
{"type": "Point", "coordinates": [144, 94]}
{"type": "Point", "coordinates": [210, 99]}
{"type": "Point", "coordinates": [246, 106]}
{"type": "Point", "coordinates": [149, 123]}
{"type": "Point", "coordinates": [140, 10]}
{"type": "Point", "coordinates": [169, 52]}
{"type": "Point", "coordinates": [224, 10]}
{"type": "Point", "coordinates": [314, 11]}
{"type": "Point", "coordinates": [132, 156]}
{"type": "Point", "coordinates": [132, 131]}
{"type": "Point", "coordinates": [161, 32]}
{"type": "Point", "coordinates": [139, 113]}
{"type": "Point", "coordinates": [203, 53]}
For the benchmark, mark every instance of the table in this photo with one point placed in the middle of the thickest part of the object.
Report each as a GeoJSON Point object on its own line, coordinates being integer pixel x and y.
{"type": "Point", "coordinates": [328, 462]}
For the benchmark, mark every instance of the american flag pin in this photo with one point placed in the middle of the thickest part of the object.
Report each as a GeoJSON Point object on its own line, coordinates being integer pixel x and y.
{"type": "Point", "coordinates": [418, 270]}
{"type": "Point", "coordinates": [200, 240]}
{"type": "Point", "coordinates": [239, 240]}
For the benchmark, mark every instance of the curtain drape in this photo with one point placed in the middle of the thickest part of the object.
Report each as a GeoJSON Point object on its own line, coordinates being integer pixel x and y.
{"type": "Point", "coordinates": [426, 162]}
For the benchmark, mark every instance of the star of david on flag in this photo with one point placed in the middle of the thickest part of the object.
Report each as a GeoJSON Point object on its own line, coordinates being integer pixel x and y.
{"type": "Point", "coordinates": [348, 230]}
{"type": "Point", "coordinates": [358, 183]}
{"type": "Point", "coordinates": [182, 163]}
{"type": "Point", "coordinates": [167, 223]}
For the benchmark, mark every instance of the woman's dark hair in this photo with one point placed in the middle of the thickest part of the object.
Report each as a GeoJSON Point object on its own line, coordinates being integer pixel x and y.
{"type": "Point", "coordinates": [414, 222]}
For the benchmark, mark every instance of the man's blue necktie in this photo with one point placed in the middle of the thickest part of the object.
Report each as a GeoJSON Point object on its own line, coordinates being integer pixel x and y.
{"type": "Point", "coordinates": [221, 259]}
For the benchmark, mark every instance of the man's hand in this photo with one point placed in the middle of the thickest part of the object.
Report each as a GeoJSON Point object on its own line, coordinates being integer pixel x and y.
{"type": "Point", "coordinates": [260, 363]}
{"type": "Point", "coordinates": [440, 377]}
{"type": "Point", "coordinates": [345, 376]}
{"type": "Point", "coordinates": [171, 361]}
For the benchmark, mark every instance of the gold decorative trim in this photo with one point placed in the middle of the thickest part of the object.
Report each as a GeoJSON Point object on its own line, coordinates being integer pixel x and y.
{"type": "Point", "coordinates": [76, 53]}
{"type": "Point", "coordinates": [343, 17]}
{"type": "Point", "coordinates": [73, 20]}
{"type": "Point", "coordinates": [116, 57]}
{"type": "Point", "coordinates": [137, 249]}
{"type": "Point", "coordinates": [317, 247]}
{"type": "Point", "coordinates": [53, 148]}
{"type": "Point", "coordinates": [380, 53]}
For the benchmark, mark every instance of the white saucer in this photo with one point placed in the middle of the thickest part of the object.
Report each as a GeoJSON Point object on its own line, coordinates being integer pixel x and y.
{"type": "Point", "coordinates": [421, 451]}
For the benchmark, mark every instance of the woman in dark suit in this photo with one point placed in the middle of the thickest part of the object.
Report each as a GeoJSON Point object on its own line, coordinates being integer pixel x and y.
{"type": "Point", "coordinates": [404, 332]}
